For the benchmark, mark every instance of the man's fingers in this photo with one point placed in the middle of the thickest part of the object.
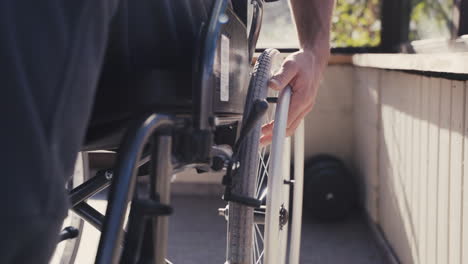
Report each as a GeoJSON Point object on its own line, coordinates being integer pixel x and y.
{"type": "Point", "coordinates": [267, 128]}
{"type": "Point", "coordinates": [299, 103]}
{"type": "Point", "coordinates": [284, 76]}
{"type": "Point", "coordinates": [292, 128]}
{"type": "Point", "coordinates": [296, 112]}
{"type": "Point", "coordinates": [265, 140]}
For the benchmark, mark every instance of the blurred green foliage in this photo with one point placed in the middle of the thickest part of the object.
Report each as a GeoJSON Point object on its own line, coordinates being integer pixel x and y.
{"type": "Point", "coordinates": [431, 19]}
{"type": "Point", "coordinates": [356, 23]}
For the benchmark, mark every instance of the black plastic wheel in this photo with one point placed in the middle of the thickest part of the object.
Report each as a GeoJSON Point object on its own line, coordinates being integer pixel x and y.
{"type": "Point", "coordinates": [330, 192]}
{"type": "Point", "coordinates": [241, 223]}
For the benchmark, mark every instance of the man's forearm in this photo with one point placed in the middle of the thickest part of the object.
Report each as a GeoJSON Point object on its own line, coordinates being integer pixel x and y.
{"type": "Point", "coordinates": [302, 70]}
{"type": "Point", "coordinates": [313, 21]}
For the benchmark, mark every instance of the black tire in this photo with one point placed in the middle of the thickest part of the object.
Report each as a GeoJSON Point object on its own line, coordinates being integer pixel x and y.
{"type": "Point", "coordinates": [240, 218]}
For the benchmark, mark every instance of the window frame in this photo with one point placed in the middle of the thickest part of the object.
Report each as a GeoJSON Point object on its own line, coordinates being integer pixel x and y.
{"type": "Point", "coordinates": [395, 32]}
{"type": "Point", "coordinates": [462, 13]}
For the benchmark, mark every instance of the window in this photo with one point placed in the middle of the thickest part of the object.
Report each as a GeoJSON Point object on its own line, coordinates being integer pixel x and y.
{"type": "Point", "coordinates": [432, 19]}
{"type": "Point", "coordinates": [356, 23]}
{"type": "Point", "coordinates": [278, 29]}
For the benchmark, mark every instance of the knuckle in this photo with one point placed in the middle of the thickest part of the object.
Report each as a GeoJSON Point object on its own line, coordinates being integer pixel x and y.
{"type": "Point", "coordinates": [281, 81]}
{"type": "Point", "coordinates": [290, 64]}
{"type": "Point", "coordinates": [279, 77]}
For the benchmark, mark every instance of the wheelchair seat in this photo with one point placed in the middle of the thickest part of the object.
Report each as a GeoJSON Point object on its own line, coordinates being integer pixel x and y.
{"type": "Point", "coordinates": [149, 65]}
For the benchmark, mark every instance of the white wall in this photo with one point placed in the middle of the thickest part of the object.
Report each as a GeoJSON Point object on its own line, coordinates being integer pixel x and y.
{"type": "Point", "coordinates": [329, 127]}
{"type": "Point", "coordinates": [366, 124]}
{"type": "Point", "coordinates": [409, 147]}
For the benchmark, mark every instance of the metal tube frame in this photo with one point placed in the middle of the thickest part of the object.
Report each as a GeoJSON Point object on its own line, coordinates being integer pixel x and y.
{"type": "Point", "coordinates": [89, 214]}
{"type": "Point", "coordinates": [90, 187]}
{"type": "Point", "coordinates": [160, 184]}
{"type": "Point", "coordinates": [123, 186]}
{"type": "Point", "coordinates": [203, 90]}
{"type": "Point", "coordinates": [154, 239]}
{"type": "Point", "coordinates": [256, 26]}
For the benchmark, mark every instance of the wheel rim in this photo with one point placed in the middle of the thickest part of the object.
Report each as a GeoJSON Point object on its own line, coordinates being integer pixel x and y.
{"type": "Point", "coordinates": [259, 228]}
{"type": "Point", "coordinates": [275, 237]}
{"type": "Point", "coordinates": [273, 206]}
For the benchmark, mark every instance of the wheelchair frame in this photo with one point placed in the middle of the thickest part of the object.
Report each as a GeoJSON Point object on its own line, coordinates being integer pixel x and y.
{"type": "Point", "coordinates": [146, 237]}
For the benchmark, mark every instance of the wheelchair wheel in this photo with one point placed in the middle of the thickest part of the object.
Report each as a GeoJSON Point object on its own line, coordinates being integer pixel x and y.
{"type": "Point", "coordinates": [66, 251]}
{"type": "Point", "coordinates": [255, 236]}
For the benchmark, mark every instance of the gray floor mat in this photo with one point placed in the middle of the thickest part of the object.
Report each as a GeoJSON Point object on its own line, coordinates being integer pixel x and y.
{"type": "Point", "coordinates": [198, 236]}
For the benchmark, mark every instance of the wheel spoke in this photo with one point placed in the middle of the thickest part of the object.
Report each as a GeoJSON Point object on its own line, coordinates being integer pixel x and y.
{"type": "Point", "coordinates": [260, 164]}
{"type": "Point", "coordinates": [258, 254]}
{"type": "Point", "coordinates": [264, 193]}
{"type": "Point", "coordinates": [259, 169]}
{"type": "Point", "coordinates": [259, 233]}
{"type": "Point", "coordinates": [257, 249]}
{"type": "Point", "coordinates": [264, 173]}
{"type": "Point", "coordinates": [260, 257]}
{"type": "Point", "coordinates": [143, 160]}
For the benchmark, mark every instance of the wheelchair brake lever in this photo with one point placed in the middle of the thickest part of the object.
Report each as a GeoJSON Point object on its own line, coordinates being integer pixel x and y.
{"type": "Point", "coordinates": [229, 196]}
{"type": "Point", "coordinates": [241, 199]}
{"type": "Point", "coordinates": [256, 113]}
{"type": "Point", "coordinates": [68, 232]}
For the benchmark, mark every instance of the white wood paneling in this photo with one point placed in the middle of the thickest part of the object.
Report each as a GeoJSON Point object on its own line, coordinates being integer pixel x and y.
{"type": "Point", "coordinates": [465, 185]}
{"type": "Point", "coordinates": [393, 206]}
{"type": "Point", "coordinates": [423, 175]}
{"type": "Point", "coordinates": [422, 142]}
{"type": "Point", "coordinates": [443, 62]}
{"type": "Point", "coordinates": [443, 176]}
{"type": "Point", "coordinates": [365, 144]}
{"type": "Point", "coordinates": [407, 158]}
{"type": "Point", "coordinates": [415, 156]}
{"type": "Point", "coordinates": [456, 172]}
{"type": "Point", "coordinates": [433, 151]}
{"type": "Point", "coordinates": [405, 113]}
{"type": "Point", "coordinates": [387, 202]}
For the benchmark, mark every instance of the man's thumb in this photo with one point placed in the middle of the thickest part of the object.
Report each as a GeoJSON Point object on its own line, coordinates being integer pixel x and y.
{"type": "Point", "coordinates": [283, 77]}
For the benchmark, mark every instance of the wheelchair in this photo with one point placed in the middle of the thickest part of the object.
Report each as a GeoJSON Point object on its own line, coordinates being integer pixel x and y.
{"type": "Point", "coordinates": [174, 94]}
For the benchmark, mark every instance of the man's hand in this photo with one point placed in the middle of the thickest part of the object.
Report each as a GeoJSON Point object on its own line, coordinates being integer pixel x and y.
{"type": "Point", "coordinates": [302, 70]}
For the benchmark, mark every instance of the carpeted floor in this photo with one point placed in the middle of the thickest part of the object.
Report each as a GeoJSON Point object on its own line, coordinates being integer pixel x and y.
{"type": "Point", "coordinates": [198, 236]}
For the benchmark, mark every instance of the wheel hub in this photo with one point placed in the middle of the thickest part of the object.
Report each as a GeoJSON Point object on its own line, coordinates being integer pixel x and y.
{"type": "Point", "coordinates": [284, 216]}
